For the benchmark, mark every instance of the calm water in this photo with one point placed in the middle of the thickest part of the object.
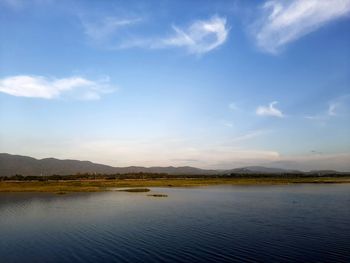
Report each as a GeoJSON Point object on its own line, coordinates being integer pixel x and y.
{"type": "Point", "coordinates": [299, 223]}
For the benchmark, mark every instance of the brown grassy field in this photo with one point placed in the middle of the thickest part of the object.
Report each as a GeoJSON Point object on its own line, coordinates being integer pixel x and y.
{"type": "Point", "coordinates": [105, 185]}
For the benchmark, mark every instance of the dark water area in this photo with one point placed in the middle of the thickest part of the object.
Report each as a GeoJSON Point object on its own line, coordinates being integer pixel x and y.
{"type": "Point", "coordinates": [291, 223]}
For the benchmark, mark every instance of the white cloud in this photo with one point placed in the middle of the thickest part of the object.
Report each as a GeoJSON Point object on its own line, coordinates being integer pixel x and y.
{"type": "Point", "coordinates": [336, 107]}
{"type": "Point", "coordinates": [339, 106]}
{"type": "Point", "coordinates": [106, 27]}
{"type": "Point", "coordinates": [285, 21]}
{"type": "Point", "coordinates": [332, 108]}
{"type": "Point", "coordinates": [52, 88]}
{"type": "Point", "coordinates": [200, 37]}
{"type": "Point", "coordinates": [20, 4]}
{"type": "Point", "coordinates": [316, 117]}
{"type": "Point", "coordinates": [269, 110]}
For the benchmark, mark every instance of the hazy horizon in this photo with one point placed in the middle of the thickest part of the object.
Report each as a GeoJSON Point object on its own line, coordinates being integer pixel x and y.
{"type": "Point", "coordinates": [286, 165]}
{"type": "Point", "coordinates": [208, 84]}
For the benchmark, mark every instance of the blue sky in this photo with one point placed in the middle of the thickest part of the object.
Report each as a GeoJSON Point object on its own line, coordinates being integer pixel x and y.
{"type": "Point", "coordinates": [211, 84]}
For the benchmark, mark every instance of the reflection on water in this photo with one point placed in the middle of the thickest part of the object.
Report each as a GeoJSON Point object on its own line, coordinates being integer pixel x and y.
{"type": "Point", "coordinates": [305, 223]}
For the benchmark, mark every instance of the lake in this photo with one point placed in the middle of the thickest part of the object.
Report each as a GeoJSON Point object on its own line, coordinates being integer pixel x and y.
{"type": "Point", "coordinates": [290, 223]}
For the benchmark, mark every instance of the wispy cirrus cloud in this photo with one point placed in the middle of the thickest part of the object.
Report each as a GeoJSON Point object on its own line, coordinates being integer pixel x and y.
{"type": "Point", "coordinates": [249, 135]}
{"type": "Point", "coordinates": [20, 4]}
{"type": "Point", "coordinates": [333, 107]}
{"type": "Point", "coordinates": [282, 22]}
{"type": "Point", "coordinates": [336, 107]}
{"type": "Point", "coordinates": [52, 88]}
{"type": "Point", "coordinates": [199, 37]}
{"type": "Point", "coordinates": [107, 27]}
{"type": "Point", "coordinates": [269, 110]}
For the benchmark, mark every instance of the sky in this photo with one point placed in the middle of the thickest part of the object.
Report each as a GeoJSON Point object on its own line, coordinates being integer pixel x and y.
{"type": "Point", "coordinates": [209, 84]}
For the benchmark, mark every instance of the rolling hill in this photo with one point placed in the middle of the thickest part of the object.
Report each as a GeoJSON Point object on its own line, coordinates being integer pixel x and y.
{"type": "Point", "coordinates": [24, 165]}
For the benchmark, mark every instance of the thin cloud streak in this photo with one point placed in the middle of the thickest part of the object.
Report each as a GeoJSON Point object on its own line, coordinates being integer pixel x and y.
{"type": "Point", "coordinates": [107, 27]}
{"type": "Point", "coordinates": [227, 123]}
{"type": "Point", "coordinates": [52, 88]}
{"type": "Point", "coordinates": [332, 108]}
{"type": "Point", "coordinates": [249, 136]}
{"type": "Point", "coordinates": [199, 37]}
{"type": "Point", "coordinates": [269, 110]}
{"type": "Point", "coordinates": [21, 4]}
{"type": "Point", "coordinates": [283, 22]}
{"type": "Point", "coordinates": [336, 108]}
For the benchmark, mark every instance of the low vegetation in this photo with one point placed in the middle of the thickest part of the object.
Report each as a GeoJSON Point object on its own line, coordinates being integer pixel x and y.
{"type": "Point", "coordinates": [94, 185]}
{"type": "Point", "coordinates": [151, 176]}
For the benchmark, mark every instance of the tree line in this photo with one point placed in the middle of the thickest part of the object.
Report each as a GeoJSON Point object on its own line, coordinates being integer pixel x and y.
{"type": "Point", "coordinates": [141, 175]}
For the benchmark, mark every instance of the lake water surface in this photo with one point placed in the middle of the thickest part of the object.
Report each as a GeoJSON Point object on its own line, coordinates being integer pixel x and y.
{"type": "Point", "coordinates": [292, 223]}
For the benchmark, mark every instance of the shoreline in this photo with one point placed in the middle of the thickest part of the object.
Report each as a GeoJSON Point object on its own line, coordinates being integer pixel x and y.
{"type": "Point", "coordinates": [99, 185]}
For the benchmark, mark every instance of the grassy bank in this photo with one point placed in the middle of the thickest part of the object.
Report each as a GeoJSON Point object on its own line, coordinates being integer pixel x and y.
{"type": "Point", "coordinates": [104, 185]}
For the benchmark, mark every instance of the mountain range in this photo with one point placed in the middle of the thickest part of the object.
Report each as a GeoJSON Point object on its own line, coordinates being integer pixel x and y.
{"type": "Point", "coordinates": [24, 165]}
